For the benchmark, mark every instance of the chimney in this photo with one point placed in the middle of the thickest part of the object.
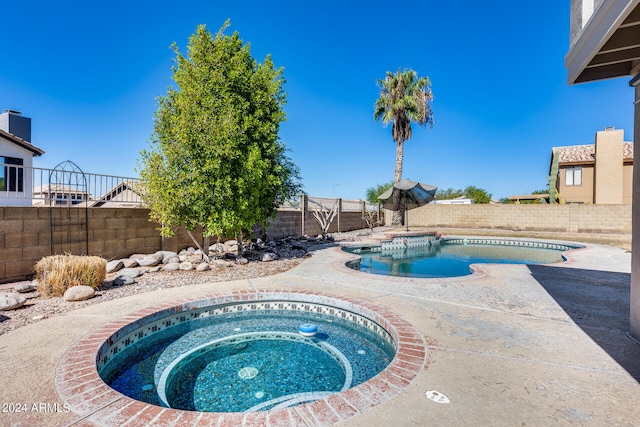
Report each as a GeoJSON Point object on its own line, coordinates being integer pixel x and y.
{"type": "Point", "coordinates": [15, 123]}
{"type": "Point", "coordinates": [609, 172]}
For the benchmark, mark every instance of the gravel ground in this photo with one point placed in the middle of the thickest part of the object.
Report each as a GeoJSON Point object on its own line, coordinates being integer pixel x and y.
{"type": "Point", "coordinates": [37, 308]}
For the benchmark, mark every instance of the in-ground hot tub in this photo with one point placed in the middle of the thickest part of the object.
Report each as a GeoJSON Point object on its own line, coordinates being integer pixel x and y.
{"type": "Point", "coordinates": [244, 352]}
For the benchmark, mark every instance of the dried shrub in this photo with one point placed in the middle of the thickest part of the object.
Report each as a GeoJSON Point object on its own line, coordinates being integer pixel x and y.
{"type": "Point", "coordinates": [55, 274]}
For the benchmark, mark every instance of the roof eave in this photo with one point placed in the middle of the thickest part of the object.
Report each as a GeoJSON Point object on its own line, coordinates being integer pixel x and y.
{"type": "Point", "coordinates": [598, 31]}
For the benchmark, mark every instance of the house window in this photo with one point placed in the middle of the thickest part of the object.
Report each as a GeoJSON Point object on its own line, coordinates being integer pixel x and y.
{"type": "Point", "coordinates": [573, 176]}
{"type": "Point", "coordinates": [11, 177]}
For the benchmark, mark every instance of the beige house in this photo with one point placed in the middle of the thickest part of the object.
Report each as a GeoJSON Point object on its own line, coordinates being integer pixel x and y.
{"type": "Point", "coordinates": [599, 173]}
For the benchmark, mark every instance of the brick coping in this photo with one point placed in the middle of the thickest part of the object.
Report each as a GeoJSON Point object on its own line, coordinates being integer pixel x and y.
{"type": "Point", "coordinates": [80, 387]}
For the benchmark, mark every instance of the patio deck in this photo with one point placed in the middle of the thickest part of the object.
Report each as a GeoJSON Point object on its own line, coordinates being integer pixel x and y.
{"type": "Point", "coordinates": [509, 345]}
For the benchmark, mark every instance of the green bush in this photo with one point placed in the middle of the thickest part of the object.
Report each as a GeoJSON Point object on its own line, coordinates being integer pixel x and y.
{"type": "Point", "coordinates": [55, 274]}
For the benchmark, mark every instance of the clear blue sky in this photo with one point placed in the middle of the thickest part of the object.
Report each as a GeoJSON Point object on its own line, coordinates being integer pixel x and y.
{"type": "Point", "coordinates": [88, 73]}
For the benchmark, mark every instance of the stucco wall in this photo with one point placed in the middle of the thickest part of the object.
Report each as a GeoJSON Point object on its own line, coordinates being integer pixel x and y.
{"type": "Point", "coordinates": [12, 198]}
{"type": "Point", "coordinates": [577, 193]}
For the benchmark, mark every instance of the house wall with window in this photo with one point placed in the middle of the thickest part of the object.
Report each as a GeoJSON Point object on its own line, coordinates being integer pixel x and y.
{"type": "Point", "coordinates": [599, 173]}
{"type": "Point", "coordinates": [575, 183]}
{"type": "Point", "coordinates": [14, 181]}
{"type": "Point", "coordinates": [16, 158]}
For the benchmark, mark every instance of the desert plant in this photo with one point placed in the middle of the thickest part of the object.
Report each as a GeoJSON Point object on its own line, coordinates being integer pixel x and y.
{"type": "Point", "coordinates": [55, 274]}
{"type": "Point", "coordinates": [324, 217]}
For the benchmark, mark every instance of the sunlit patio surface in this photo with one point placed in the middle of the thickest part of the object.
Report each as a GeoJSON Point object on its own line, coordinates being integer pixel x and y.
{"type": "Point", "coordinates": [510, 345]}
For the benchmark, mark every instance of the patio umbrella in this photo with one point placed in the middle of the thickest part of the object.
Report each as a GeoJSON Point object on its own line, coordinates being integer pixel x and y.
{"type": "Point", "coordinates": [412, 195]}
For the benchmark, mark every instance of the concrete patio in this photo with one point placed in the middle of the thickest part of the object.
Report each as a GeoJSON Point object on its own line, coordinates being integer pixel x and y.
{"type": "Point", "coordinates": [509, 345]}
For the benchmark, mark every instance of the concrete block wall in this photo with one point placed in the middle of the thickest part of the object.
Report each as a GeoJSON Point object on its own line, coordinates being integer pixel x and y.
{"type": "Point", "coordinates": [614, 219]}
{"type": "Point", "coordinates": [25, 233]}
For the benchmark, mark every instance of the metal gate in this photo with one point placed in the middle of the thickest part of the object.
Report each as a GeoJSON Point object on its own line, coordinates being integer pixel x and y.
{"type": "Point", "coordinates": [68, 199]}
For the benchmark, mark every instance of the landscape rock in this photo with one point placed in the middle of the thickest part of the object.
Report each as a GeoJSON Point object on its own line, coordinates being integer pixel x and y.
{"type": "Point", "coordinates": [174, 259]}
{"type": "Point", "coordinates": [115, 265]}
{"type": "Point", "coordinates": [25, 287]}
{"type": "Point", "coordinates": [269, 256]}
{"type": "Point", "coordinates": [216, 248]}
{"type": "Point", "coordinates": [129, 263]}
{"type": "Point", "coordinates": [11, 301]}
{"type": "Point", "coordinates": [172, 266]}
{"type": "Point", "coordinates": [203, 267]}
{"type": "Point", "coordinates": [222, 263]}
{"type": "Point", "coordinates": [148, 262]}
{"type": "Point", "coordinates": [133, 272]}
{"type": "Point", "coordinates": [186, 266]}
{"type": "Point", "coordinates": [123, 280]}
{"type": "Point", "coordinates": [156, 256]}
{"type": "Point", "coordinates": [166, 256]}
{"type": "Point", "coordinates": [79, 293]}
{"type": "Point", "coordinates": [242, 261]}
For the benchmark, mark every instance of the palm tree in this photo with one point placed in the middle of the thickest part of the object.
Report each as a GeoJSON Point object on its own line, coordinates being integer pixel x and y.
{"type": "Point", "coordinates": [404, 98]}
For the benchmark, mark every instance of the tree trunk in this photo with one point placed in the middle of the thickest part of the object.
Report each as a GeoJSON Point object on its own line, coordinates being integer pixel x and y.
{"type": "Point", "coordinates": [397, 219]}
{"type": "Point", "coordinates": [240, 245]}
{"type": "Point", "coordinates": [205, 249]}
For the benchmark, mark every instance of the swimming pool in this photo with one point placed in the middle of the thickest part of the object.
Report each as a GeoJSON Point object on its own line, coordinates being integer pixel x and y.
{"type": "Point", "coordinates": [453, 257]}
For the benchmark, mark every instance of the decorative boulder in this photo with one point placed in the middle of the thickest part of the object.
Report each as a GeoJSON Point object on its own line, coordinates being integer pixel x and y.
{"type": "Point", "coordinates": [242, 261]}
{"type": "Point", "coordinates": [166, 256]}
{"type": "Point", "coordinates": [222, 263]}
{"type": "Point", "coordinates": [25, 287]}
{"type": "Point", "coordinates": [172, 266]}
{"type": "Point", "coordinates": [123, 280]}
{"type": "Point", "coordinates": [186, 266]}
{"type": "Point", "coordinates": [130, 263]}
{"type": "Point", "coordinates": [216, 248]}
{"type": "Point", "coordinates": [115, 265]}
{"type": "Point", "coordinates": [203, 267]}
{"type": "Point", "coordinates": [148, 262]}
{"type": "Point", "coordinates": [269, 256]}
{"type": "Point", "coordinates": [173, 259]}
{"type": "Point", "coordinates": [11, 301]}
{"type": "Point", "coordinates": [133, 272]}
{"type": "Point", "coordinates": [79, 293]}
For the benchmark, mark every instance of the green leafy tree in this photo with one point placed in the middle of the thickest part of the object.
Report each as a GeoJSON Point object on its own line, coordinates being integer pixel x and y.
{"type": "Point", "coordinates": [448, 194]}
{"type": "Point", "coordinates": [478, 195]}
{"type": "Point", "coordinates": [404, 98]}
{"type": "Point", "coordinates": [216, 161]}
{"type": "Point", "coordinates": [375, 191]}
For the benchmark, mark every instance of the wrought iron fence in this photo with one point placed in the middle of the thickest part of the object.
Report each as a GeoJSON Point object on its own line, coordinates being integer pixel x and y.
{"type": "Point", "coordinates": [69, 186]}
{"type": "Point", "coordinates": [22, 185]}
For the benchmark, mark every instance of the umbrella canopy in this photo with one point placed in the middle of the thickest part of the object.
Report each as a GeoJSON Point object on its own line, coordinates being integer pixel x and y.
{"type": "Point", "coordinates": [412, 195]}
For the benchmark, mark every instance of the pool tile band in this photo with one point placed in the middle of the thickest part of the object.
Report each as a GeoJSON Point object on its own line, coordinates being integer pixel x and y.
{"type": "Point", "coordinates": [161, 320]}
{"type": "Point", "coordinates": [80, 386]}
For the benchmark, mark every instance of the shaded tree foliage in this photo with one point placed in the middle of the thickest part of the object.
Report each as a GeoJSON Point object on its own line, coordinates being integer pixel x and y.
{"type": "Point", "coordinates": [375, 191]}
{"type": "Point", "coordinates": [216, 160]}
{"type": "Point", "coordinates": [478, 195]}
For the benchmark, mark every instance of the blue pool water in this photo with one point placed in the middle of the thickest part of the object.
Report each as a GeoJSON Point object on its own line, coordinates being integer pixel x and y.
{"type": "Point", "coordinates": [448, 259]}
{"type": "Point", "coordinates": [248, 361]}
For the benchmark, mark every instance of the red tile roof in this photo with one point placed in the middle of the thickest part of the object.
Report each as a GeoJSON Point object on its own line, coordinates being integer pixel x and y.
{"type": "Point", "coordinates": [586, 153]}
